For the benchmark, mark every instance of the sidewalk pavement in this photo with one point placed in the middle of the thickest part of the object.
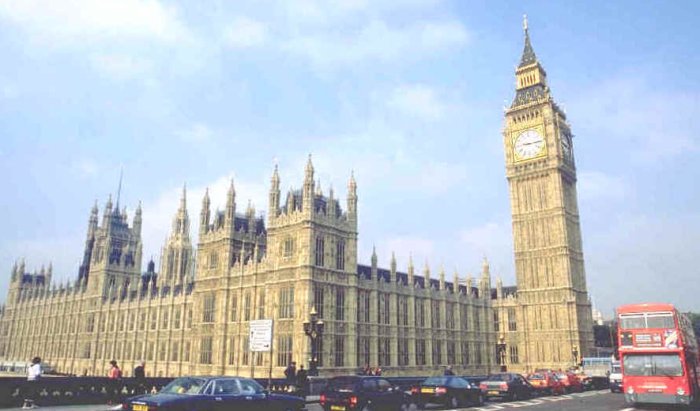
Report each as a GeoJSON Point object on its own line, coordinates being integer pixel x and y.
{"type": "Point", "coordinates": [310, 399]}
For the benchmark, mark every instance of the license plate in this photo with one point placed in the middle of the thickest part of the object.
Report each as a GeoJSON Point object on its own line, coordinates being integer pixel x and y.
{"type": "Point", "coordinates": [139, 407]}
{"type": "Point", "coordinates": [337, 408]}
{"type": "Point", "coordinates": [493, 393]}
{"type": "Point", "coordinates": [427, 390]}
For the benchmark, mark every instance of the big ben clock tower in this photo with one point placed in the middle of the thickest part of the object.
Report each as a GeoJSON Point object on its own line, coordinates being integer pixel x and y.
{"type": "Point", "coordinates": [555, 313]}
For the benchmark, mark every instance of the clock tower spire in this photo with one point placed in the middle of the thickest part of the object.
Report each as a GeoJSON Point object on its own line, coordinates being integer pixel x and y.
{"type": "Point", "coordinates": [541, 172]}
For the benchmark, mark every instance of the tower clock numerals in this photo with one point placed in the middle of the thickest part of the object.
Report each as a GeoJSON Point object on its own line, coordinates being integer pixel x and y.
{"type": "Point", "coordinates": [566, 146]}
{"type": "Point", "coordinates": [528, 144]}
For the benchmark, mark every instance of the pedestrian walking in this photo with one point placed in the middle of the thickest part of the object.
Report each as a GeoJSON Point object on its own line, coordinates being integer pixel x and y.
{"type": "Point", "coordinates": [33, 375]}
{"type": "Point", "coordinates": [140, 378]}
{"type": "Point", "coordinates": [290, 374]}
{"type": "Point", "coordinates": [303, 381]}
{"type": "Point", "coordinates": [115, 376]}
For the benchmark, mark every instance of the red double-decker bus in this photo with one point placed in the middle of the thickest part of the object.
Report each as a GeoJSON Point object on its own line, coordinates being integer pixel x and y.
{"type": "Point", "coordinates": [659, 354]}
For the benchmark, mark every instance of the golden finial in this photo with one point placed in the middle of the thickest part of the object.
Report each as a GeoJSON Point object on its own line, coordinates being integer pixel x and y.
{"type": "Point", "coordinates": [525, 22]}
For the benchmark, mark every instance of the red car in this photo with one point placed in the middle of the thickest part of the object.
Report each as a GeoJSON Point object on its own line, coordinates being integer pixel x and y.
{"type": "Point", "coordinates": [546, 383]}
{"type": "Point", "coordinates": [570, 381]}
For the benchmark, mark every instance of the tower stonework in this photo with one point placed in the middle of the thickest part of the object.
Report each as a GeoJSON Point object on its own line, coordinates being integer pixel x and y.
{"type": "Point", "coordinates": [551, 301]}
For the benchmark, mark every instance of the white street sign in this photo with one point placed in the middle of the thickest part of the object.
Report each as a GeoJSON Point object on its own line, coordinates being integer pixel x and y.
{"type": "Point", "coordinates": [260, 335]}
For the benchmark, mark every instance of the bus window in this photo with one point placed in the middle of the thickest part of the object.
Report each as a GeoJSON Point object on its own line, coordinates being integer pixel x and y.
{"type": "Point", "coordinates": [631, 322]}
{"type": "Point", "coordinates": [668, 365]}
{"type": "Point", "coordinates": [660, 321]}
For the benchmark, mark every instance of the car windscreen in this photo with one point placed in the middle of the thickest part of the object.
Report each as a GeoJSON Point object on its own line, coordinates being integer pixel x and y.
{"type": "Point", "coordinates": [535, 377]}
{"type": "Point", "coordinates": [437, 381]}
{"type": "Point", "coordinates": [499, 377]}
{"type": "Point", "coordinates": [184, 385]}
{"type": "Point", "coordinates": [250, 386]}
{"type": "Point", "coordinates": [668, 365]}
{"type": "Point", "coordinates": [342, 384]}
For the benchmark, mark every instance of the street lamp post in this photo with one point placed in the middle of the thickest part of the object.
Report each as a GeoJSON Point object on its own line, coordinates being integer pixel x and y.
{"type": "Point", "coordinates": [313, 329]}
{"type": "Point", "coordinates": [501, 352]}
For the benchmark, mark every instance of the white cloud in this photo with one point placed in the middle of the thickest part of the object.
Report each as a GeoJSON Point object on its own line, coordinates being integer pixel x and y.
{"type": "Point", "coordinates": [419, 248]}
{"type": "Point", "coordinates": [84, 21]}
{"type": "Point", "coordinates": [652, 123]}
{"type": "Point", "coordinates": [85, 168]}
{"type": "Point", "coordinates": [642, 258]}
{"type": "Point", "coordinates": [493, 240]}
{"type": "Point", "coordinates": [245, 32]}
{"type": "Point", "coordinates": [596, 185]}
{"type": "Point", "coordinates": [376, 42]}
{"type": "Point", "coordinates": [417, 100]}
{"type": "Point", "coordinates": [119, 66]}
{"type": "Point", "coordinates": [8, 91]}
{"type": "Point", "coordinates": [196, 133]}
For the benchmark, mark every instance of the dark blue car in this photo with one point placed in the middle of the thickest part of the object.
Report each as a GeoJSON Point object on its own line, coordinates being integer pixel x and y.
{"type": "Point", "coordinates": [214, 394]}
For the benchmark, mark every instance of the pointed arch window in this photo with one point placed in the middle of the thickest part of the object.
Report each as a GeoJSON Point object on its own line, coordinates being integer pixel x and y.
{"type": "Point", "coordinates": [320, 249]}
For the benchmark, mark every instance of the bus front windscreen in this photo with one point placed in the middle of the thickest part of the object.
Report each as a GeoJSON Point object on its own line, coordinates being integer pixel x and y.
{"type": "Point", "coordinates": [667, 365]}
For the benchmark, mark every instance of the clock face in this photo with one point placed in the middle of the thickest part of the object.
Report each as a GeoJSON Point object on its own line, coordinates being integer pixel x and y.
{"type": "Point", "coordinates": [529, 144]}
{"type": "Point", "coordinates": [566, 146]}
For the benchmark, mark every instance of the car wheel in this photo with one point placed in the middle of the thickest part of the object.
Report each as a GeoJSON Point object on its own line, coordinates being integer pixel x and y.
{"type": "Point", "coordinates": [404, 407]}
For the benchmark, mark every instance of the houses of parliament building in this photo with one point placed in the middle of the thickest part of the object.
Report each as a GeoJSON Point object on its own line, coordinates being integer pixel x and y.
{"type": "Point", "coordinates": [192, 315]}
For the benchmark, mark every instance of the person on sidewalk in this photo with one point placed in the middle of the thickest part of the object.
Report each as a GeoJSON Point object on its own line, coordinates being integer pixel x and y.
{"type": "Point", "coordinates": [140, 378]}
{"type": "Point", "coordinates": [290, 374]}
{"type": "Point", "coordinates": [113, 388]}
{"type": "Point", "coordinates": [448, 371]}
{"type": "Point", "coordinates": [33, 375]}
{"type": "Point", "coordinates": [303, 381]}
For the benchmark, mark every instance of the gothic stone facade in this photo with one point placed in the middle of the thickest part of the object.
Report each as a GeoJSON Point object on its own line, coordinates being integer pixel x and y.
{"type": "Point", "coordinates": [192, 317]}
{"type": "Point", "coordinates": [182, 323]}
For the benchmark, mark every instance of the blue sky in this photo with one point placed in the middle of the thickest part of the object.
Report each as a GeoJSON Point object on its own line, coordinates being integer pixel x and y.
{"type": "Point", "coordinates": [407, 94]}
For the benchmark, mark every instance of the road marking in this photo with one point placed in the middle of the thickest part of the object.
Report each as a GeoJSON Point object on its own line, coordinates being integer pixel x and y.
{"type": "Point", "coordinates": [537, 401]}
{"type": "Point", "coordinates": [629, 409]}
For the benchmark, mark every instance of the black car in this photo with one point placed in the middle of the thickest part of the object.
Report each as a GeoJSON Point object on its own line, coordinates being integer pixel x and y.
{"type": "Point", "coordinates": [362, 393]}
{"type": "Point", "coordinates": [214, 394]}
{"type": "Point", "coordinates": [451, 391]}
{"type": "Point", "coordinates": [509, 386]}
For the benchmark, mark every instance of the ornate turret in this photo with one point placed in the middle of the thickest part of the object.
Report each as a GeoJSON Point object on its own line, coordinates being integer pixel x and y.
{"type": "Point", "coordinates": [205, 214]}
{"type": "Point", "coordinates": [230, 218]}
{"type": "Point", "coordinates": [181, 222]}
{"type": "Point", "coordinates": [15, 274]}
{"type": "Point", "coordinates": [352, 198]}
{"type": "Point", "coordinates": [374, 262]}
{"type": "Point", "coordinates": [531, 79]}
{"type": "Point", "coordinates": [426, 274]}
{"type": "Point", "coordinates": [331, 202]}
{"type": "Point", "coordinates": [308, 193]}
{"type": "Point", "coordinates": [108, 212]}
{"type": "Point", "coordinates": [442, 278]}
{"type": "Point", "coordinates": [485, 282]}
{"type": "Point", "coordinates": [411, 270]}
{"type": "Point", "coordinates": [138, 220]}
{"type": "Point", "coordinates": [274, 194]}
{"type": "Point", "coordinates": [392, 268]}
